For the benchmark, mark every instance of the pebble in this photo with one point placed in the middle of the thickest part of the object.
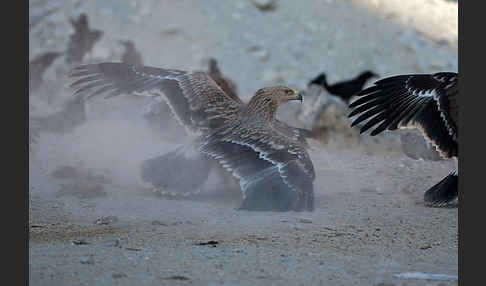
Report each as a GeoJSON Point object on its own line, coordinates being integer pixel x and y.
{"type": "Point", "coordinates": [80, 242]}
{"type": "Point", "coordinates": [110, 243]}
{"type": "Point", "coordinates": [118, 275]}
{"type": "Point", "coordinates": [156, 222]}
{"type": "Point", "coordinates": [106, 220]}
{"type": "Point", "coordinates": [426, 276]}
{"type": "Point", "coordinates": [177, 277]}
{"type": "Point", "coordinates": [304, 220]}
{"type": "Point", "coordinates": [87, 260]}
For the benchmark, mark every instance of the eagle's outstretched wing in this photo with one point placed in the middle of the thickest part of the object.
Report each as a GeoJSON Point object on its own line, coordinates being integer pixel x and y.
{"type": "Point", "coordinates": [425, 101]}
{"type": "Point", "coordinates": [195, 99]}
{"type": "Point", "coordinates": [274, 171]}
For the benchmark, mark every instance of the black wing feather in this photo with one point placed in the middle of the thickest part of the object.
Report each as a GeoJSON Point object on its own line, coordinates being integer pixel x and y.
{"type": "Point", "coordinates": [425, 101]}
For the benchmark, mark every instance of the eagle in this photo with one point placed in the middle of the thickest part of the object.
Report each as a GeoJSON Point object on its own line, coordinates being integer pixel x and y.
{"type": "Point", "coordinates": [266, 156]}
{"type": "Point", "coordinates": [82, 41]}
{"type": "Point", "coordinates": [427, 102]}
{"type": "Point", "coordinates": [131, 55]}
{"type": "Point", "coordinates": [38, 66]}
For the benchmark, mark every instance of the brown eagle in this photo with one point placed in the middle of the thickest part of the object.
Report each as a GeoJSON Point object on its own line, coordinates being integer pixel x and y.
{"type": "Point", "coordinates": [38, 66]}
{"type": "Point", "coordinates": [424, 101]}
{"type": "Point", "coordinates": [131, 55]}
{"type": "Point", "coordinates": [82, 41]}
{"type": "Point", "coordinates": [267, 157]}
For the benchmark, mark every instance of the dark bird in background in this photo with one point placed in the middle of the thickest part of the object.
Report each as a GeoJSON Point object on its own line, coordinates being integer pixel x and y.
{"type": "Point", "coordinates": [131, 55]}
{"type": "Point", "coordinates": [267, 156]}
{"type": "Point", "coordinates": [38, 66]}
{"type": "Point", "coordinates": [82, 41]}
{"type": "Point", "coordinates": [424, 101]}
{"type": "Point", "coordinates": [226, 84]}
{"type": "Point", "coordinates": [344, 89]}
{"type": "Point", "coordinates": [72, 115]}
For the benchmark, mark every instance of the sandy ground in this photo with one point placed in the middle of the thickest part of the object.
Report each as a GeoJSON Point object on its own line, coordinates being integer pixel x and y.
{"type": "Point", "coordinates": [370, 222]}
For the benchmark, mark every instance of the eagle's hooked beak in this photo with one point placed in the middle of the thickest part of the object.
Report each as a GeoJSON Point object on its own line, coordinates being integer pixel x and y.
{"type": "Point", "coordinates": [296, 96]}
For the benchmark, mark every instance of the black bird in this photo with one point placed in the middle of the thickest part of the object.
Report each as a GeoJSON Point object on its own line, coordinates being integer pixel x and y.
{"type": "Point", "coordinates": [344, 89]}
{"type": "Point", "coordinates": [63, 121]}
{"type": "Point", "coordinates": [424, 101]}
{"type": "Point", "coordinates": [38, 66]}
{"type": "Point", "coordinates": [131, 55]}
{"type": "Point", "coordinates": [82, 41]}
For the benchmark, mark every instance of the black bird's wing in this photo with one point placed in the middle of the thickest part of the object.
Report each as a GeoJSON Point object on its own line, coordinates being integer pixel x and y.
{"type": "Point", "coordinates": [445, 192]}
{"type": "Point", "coordinates": [424, 101]}
{"type": "Point", "coordinates": [275, 172]}
{"type": "Point", "coordinates": [194, 98]}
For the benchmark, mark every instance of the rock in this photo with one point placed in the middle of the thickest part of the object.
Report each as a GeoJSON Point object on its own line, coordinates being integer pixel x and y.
{"type": "Point", "coordinates": [416, 147]}
{"type": "Point", "coordinates": [326, 115]}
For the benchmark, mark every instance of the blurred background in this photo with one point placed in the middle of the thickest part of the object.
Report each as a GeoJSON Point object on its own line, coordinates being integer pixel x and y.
{"type": "Point", "coordinates": [290, 42]}
{"type": "Point", "coordinates": [84, 150]}
{"type": "Point", "coordinates": [256, 43]}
